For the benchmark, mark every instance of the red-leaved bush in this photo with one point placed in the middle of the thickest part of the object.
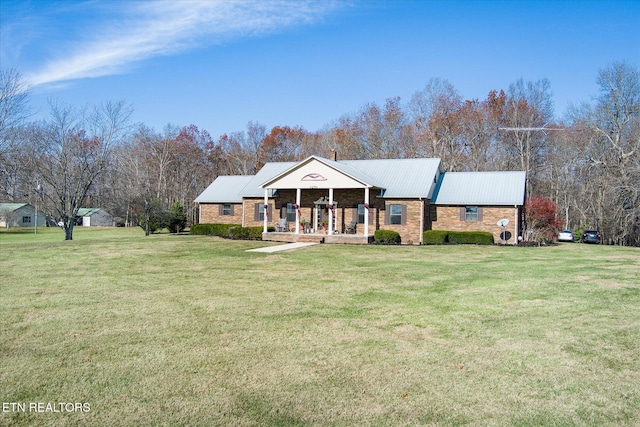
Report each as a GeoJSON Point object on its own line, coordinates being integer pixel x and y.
{"type": "Point", "coordinates": [542, 220]}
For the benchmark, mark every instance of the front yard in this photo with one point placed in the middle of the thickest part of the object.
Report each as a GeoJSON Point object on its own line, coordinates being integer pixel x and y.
{"type": "Point", "coordinates": [193, 330]}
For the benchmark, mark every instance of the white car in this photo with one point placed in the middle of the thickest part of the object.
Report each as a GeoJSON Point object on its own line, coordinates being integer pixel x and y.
{"type": "Point", "coordinates": [565, 236]}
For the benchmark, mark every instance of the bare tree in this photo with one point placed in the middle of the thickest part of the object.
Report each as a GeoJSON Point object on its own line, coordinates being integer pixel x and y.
{"type": "Point", "coordinates": [14, 97]}
{"type": "Point", "coordinates": [613, 128]}
{"type": "Point", "coordinates": [71, 151]}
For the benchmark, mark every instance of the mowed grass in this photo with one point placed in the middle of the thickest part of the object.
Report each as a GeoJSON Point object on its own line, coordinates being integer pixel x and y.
{"type": "Point", "coordinates": [195, 331]}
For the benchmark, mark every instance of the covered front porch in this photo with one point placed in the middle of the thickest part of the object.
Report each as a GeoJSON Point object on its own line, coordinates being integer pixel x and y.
{"type": "Point", "coordinates": [319, 202]}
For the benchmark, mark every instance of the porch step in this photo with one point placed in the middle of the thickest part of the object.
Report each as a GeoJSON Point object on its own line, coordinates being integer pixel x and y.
{"type": "Point", "coordinates": [310, 238]}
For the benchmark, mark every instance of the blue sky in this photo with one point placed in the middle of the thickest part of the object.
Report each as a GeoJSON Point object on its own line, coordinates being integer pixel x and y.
{"type": "Point", "coordinates": [221, 64]}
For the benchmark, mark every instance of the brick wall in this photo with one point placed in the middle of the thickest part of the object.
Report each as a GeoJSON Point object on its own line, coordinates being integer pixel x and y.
{"type": "Point", "coordinates": [250, 212]}
{"type": "Point", "coordinates": [210, 214]}
{"type": "Point", "coordinates": [409, 232]}
{"type": "Point", "coordinates": [448, 218]}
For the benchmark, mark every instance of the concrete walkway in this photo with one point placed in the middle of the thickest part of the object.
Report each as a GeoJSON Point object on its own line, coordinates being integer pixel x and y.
{"type": "Point", "coordinates": [287, 247]}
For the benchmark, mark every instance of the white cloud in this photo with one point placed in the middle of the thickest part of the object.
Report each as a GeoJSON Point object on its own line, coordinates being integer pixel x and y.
{"type": "Point", "coordinates": [159, 28]}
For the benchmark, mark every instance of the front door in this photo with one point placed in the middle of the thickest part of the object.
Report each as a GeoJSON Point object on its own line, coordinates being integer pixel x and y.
{"type": "Point", "coordinates": [322, 214]}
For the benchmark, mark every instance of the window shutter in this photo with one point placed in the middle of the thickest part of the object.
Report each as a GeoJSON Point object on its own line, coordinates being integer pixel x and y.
{"type": "Point", "coordinates": [256, 211]}
{"type": "Point", "coordinates": [387, 212]}
{"type": "Point", "coordinates": [220, 209]}
{"type": "Point", "coordinates": [403, 219]}
{"type": "Point", "coordinates": [283, 210]}
{"type": "Point", "coordinates": [232, 209]}
{"type": "Point", "coordinates": [371, 214]}
{"type": "Point", "coordinates": [269, 214]}
{"type": "Point", "coordinates": [463, 212]}
{"type": "Point", "coordinates": [354, 215]}
{"type": "Point", "coordinates": [479, 214]}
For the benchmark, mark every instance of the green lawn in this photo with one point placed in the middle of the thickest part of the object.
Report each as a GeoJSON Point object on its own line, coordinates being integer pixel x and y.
{"type": "Point", "coordinates": [193, 330]}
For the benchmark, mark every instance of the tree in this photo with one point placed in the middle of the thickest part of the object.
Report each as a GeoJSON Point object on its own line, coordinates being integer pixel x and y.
{"type": "Point", "coordinates": [154, 217]}
{"type": "Point", "coordinates": [542, 220]}
{"type": "Point", "coordinates": [612, 167]}
{"type": "Point", "coordinates": [13, 102]}
{"type": "Point", "coordinates": [71, 151]}
{"type": "Point", "coordinates": [176, 218]}
{"type": "Point", "coordinates": [282, 144]}
{"type": "Point", "coordinates": [528, 107]}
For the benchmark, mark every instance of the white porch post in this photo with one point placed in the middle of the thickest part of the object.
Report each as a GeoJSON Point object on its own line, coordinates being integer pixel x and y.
{"type": "Point", "coordinates": [330, 212]}
{"type": "Point", "coordinates": [265, 210]}
{"type": "Point", "coordinates": [366, 211]}
{"type": "Point", "coordinates": [298, 193]}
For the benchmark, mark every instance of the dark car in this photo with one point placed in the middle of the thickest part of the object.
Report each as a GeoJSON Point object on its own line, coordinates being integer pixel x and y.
{"type": "Point", "coordinates": [591, 236]}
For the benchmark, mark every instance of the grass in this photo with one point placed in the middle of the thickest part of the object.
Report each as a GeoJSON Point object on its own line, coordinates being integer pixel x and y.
{"type": "Point", "coordinates": [192, 330]}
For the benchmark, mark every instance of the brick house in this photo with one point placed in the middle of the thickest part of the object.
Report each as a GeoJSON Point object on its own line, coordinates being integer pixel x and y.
{"type": "Point", "coordinates": [346, 201]}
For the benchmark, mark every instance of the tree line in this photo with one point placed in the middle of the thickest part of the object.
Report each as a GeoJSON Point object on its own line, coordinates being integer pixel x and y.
{"type": "Point", "coordinates": [587, 164]}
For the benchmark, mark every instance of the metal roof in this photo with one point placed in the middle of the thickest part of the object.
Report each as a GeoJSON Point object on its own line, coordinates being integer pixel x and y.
{"type": "Point", "coordinates": [480, 188]}
{"type": "Point", "coordinates": [268, 171]}
{"type": "Point", "coordinates": [88, 211]}
{"type": "Point", "coordinates": [401, 177]}
{"type": "Point", "coordinates": [397, 178]}
{"type": "Point", "coordinates": [224, 189]}
{"type": "Point", "coordinates": [11, 207]}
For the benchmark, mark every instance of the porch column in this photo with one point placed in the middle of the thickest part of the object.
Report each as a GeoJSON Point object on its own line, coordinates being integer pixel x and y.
{"type": "Point", "coordinates": [298, 192]}
{"type": "Point", "coordinates": [366, 211]}
{"type": "Point", "coordinates": [330, 232]}
{"type": "Point", "coordinates": [265, 210]}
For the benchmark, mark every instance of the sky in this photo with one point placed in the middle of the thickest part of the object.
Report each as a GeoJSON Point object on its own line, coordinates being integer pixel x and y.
{"type": "Point", "coordinates": [222, 64]}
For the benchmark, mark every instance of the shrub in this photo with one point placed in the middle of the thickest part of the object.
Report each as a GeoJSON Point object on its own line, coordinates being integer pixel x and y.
{"type": "Point", "coordinates": [176, 219]}
{"type": "Point", "coordinates": [387, 237]}
{"type": "Point", "coordinates": [434, 237]}
{"type": "Point", "coordinates": [542, 220]}
{"type": "Point", "coordinates": [440, 237]}
{"type": "Point", "coordinates": [470, 237]}
{"type": "Point", "coordinates": [221, 230]}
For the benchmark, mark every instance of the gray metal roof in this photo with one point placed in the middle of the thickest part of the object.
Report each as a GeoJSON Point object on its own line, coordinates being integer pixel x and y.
{"type": "Point", "coordinates": [268, 171]}
{"type": "Point", "coordinates": [400, 177]}
{"type": "Point", "coordinates": [397, 178]}
{"type": "Point", "coordinates": [224, 189]}
{"type": "Point", "coordinates": [481, 188]}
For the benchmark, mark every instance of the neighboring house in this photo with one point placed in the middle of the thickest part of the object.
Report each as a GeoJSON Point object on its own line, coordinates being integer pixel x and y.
{"type": "Point", "coordinates": [353, 198]}
{"type": "Point", "coordinates": [94, 217]}
{"type": "Point", "coordinates": [20, 215]}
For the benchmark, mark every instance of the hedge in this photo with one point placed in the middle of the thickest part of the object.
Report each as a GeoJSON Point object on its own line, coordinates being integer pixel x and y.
{"type": "Point", "coordinates": [434, 237]}
{"type": "Point", "coordinates": [221, 230]}
{"type": "Point", "coordinates": [248, 233]}
{"type": "Point", "coordinates": [233, 231]}
{"type": "Point", "coordinates": [387, 237]}
{"type": "Point", "coordinates": [438, 237]}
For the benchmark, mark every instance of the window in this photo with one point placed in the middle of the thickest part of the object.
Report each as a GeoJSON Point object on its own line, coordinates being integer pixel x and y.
{"type": "Point", "coordinates": [291, 213]}
{"type": "Point", "coordinates": [471, 213]}
{"type": "Point", "coordinates": [258, 212]}
{"type": "Point", "coordinates": [395, 214]}
{"type": "Point", "coordinates": [26, 220]}
{"type": "Point", "coordinates": [360, 214]}
{"type": "Point", "coordinates": [226, 209]}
